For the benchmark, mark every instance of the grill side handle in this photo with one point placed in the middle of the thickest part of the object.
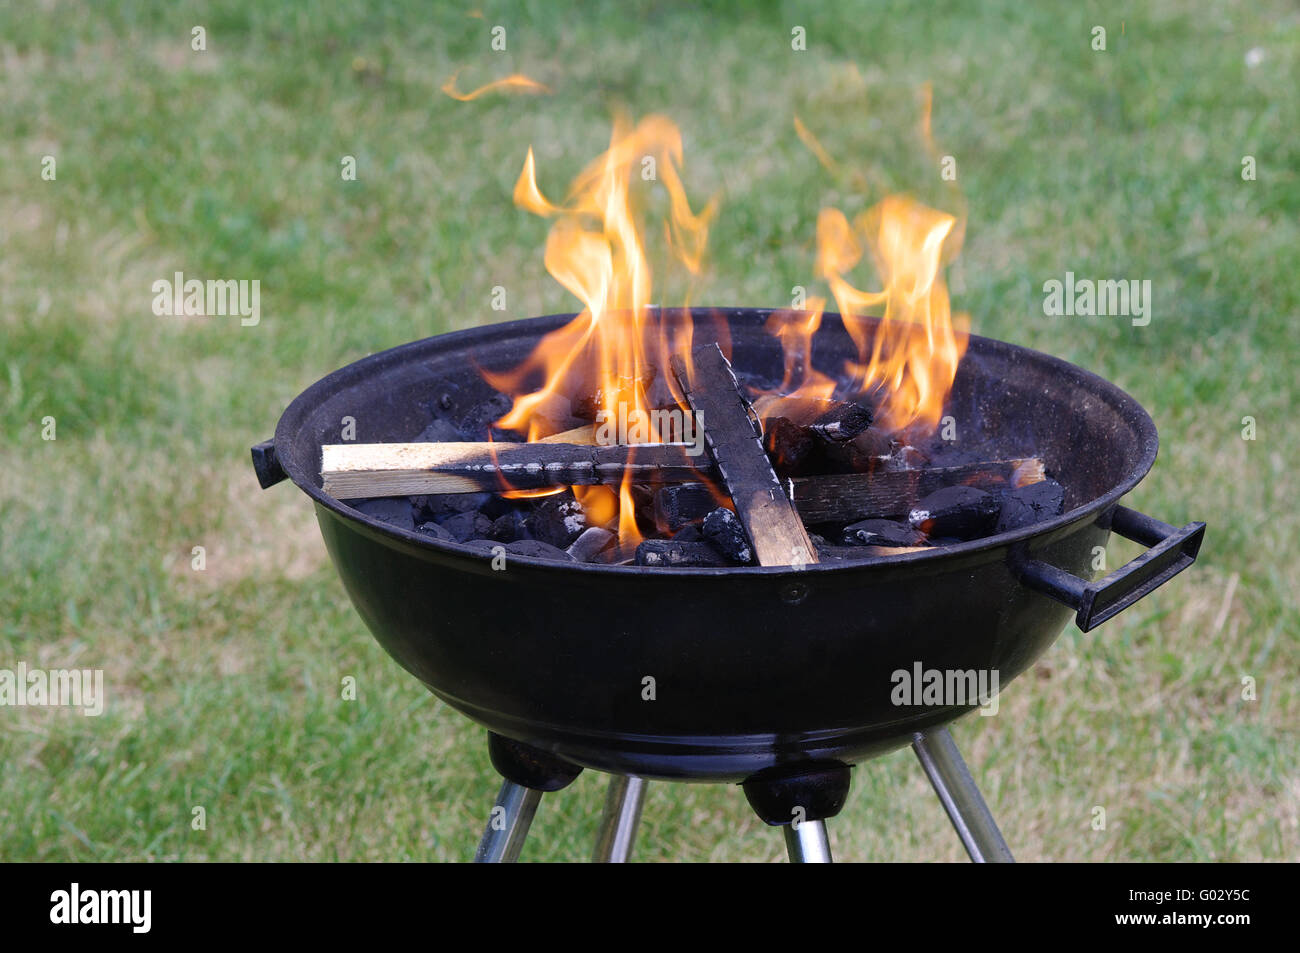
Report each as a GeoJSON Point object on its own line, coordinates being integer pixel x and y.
{"type": "Point", "coordinates": [1172, 550]}
{"type": "Point", "coordinates": [267, 465]}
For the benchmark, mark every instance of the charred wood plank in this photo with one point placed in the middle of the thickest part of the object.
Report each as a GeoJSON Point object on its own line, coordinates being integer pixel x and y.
{"type": "Point", "coordinates": [890, 494]}
{"type": "Point", "coordinates": [868, 451]}
{"type": "Point", "coordinates": [768, 516]}
{"type": "Point", "coordinates": [841, 420]}
{"type": "Point", "coordinates": [354, 470]}
{"type": "Point", "coordinates": [800, 434]}
{"type": "Point", "coordinates": [791, 447]}
{"type": "Point", "coordinates": [831, 419]}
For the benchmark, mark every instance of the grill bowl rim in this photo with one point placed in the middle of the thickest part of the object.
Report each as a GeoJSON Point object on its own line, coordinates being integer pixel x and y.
{"type": "Point", "coordinates": [289, 429]}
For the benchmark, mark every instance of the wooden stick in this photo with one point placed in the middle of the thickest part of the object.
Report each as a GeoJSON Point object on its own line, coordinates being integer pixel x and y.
{"type": "Point", "coordinates": [353, 470]}
{"type": "Point", "coordinates": [584, 436]}
{"type": "Point", "coordinates": [833, 420]}
{"type": "Point", "coordinates": [849, 497]}
{"type": "Point", "coordinates": [350, 471]}
{"type": "Point", "coordinates": [770, 519]}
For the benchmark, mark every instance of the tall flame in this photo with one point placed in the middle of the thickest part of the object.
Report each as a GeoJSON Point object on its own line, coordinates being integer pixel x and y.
{"type": "Point", "coordinates": [910, 356]}
{"type": "Point", "coordinates": [908, 340]}
{"type": "Point", "coordinates": [596, 249]}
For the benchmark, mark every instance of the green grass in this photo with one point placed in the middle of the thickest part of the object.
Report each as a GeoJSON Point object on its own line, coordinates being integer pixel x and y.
{"type": "Point", "coordinates": [224, 685]}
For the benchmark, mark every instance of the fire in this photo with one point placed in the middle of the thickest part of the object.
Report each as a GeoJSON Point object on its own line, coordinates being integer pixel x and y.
{"type": "Point", "coordinates": [795, 330]}
{"type": "Point", "coordinates": [904, 368]}
{"type": "Point", "coordinates": [612, 351]}
{"type": "Point", "coordinates": [612, 360]}
{"type": "Point", "coordinates": [515, 82]}
{"type": "Point", "coordinates": [909, 362]}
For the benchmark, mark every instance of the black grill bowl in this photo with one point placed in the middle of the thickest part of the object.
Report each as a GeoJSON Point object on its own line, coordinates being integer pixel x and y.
{"type": "Point", "coordinates": [753, 668]}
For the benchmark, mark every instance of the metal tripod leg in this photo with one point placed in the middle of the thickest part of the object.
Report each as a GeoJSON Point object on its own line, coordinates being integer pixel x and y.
{"type": "Point", "coordinates": [962, 800]}
{"type": "Point", "coordinates": [619, 823]}
{"type": "Point", "coordinates": [508, 826]}
{"type": "Point", "coordinates": [807, 843]}
{"type": "Point", "coordinates": [799, 798]}
{"type": "Point", "coordinates": [529, 773]}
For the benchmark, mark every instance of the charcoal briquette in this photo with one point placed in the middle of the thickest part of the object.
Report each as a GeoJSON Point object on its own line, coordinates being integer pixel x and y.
{"type": "Point", "coordinates": [679, 504]}
{"type": "Point", "coordinates": [437, 531]}
{"type": "Point", "coordinates": [842, 420]}
{"type": "Point", "coordinates": [394, 510]}
{"type": "Point", "coordinates": [862, 454]}
{"type": "Point", "coordinates": [669, 553]}
{"type": "Point", "coordinates": [466, 526]}
{"type": "Point", "coordinates": [557, 521]}
{"type": "Point", "coordinates": [593, 541]}
{"type": "Point", "coordinates": [1031, 504]}
{"type": "Point", "coordinates": [439, 431]}
{"type": "Point", "coordinates": [435, 507]}
{"type": "Point", "coordinates": [960, 512]}
{"type": "Point", "coordinates": [538, 550]}
{"type": "Point", "coordinates": [722, 528]}
{"type": "Point", "coordinates": [877, 532]}
{"type": "Point", "coordinates": [477, 424]}
{"type": "Point", "coordinates": [510, 527]}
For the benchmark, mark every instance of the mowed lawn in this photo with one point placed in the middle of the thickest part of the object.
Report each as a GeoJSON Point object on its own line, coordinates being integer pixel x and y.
{"type": "Point", "coordinates": [1178, 718]}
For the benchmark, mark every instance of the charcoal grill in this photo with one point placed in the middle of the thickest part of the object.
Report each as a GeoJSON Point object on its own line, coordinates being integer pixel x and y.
{"type": "Point", "coordinates": [775, 677]}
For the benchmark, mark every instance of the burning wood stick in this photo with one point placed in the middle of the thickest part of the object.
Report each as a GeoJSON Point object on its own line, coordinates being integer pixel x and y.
{"type": "Point", "coordinates": [857, 496]}
{"type": "Point", "coordinates": [353, 470]}
{"type": "Point", "coordinates": [770, 519]}
{"type": "Point", "coordinates": [832, 420]}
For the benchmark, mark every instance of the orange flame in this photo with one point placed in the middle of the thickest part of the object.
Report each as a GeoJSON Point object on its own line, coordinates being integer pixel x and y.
{"type": "Point", "coordinates": [910, 357]}
{"type": "Point", "coordinates": [515, 82]}
{"type": "Point", "coordinates": [813, 146]}
{"type": "Point", "coordinates": [596, 249]}
{"type": "Point", "coordinates": [795, 330]}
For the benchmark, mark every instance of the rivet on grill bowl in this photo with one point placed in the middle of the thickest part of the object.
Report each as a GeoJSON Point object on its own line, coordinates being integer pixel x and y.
{"type": "Point", "coordinates": [794, 593]}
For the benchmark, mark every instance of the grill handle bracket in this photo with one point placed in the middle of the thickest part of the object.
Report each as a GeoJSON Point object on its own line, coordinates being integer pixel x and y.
{"type": "Point", "coordinates": [1172, 550]}
{"type": "Point", "coordinates": [267, 465]}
